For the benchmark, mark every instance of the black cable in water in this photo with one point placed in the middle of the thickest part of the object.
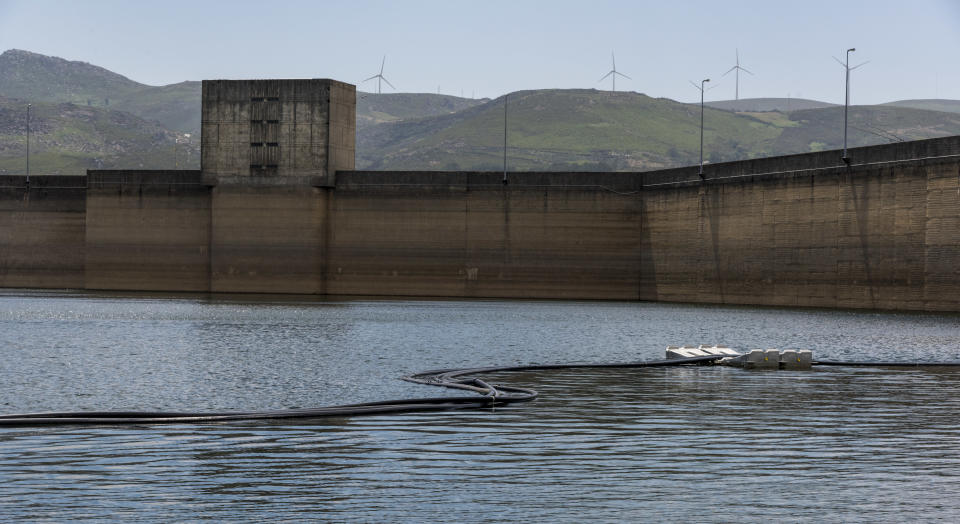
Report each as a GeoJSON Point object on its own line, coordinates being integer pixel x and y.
{"type": "Point", "coordinates": [881, 364]}
{"type": "Point", "coordinates": [448, 378]}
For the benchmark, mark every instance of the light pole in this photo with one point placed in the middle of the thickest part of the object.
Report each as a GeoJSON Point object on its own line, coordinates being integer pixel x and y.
{"type": "Point", "coordinates": [702, 82]}
{"type": "Point", "coordinates": [505, 139]}
{"type": "Point", "coordinates": [28, 144]}
{"type": "Point", "coordinates": [846, 104]}
{"type": "Point", "coordinates": [846, 101]}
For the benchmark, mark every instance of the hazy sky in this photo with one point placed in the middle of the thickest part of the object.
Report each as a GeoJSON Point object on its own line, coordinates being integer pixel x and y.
{"type": "Point", "coordinates": [487, 48]}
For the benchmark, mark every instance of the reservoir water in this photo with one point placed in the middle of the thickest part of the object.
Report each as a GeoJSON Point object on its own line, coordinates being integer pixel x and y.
{"type": "Point", "coordinates": [704, 443]}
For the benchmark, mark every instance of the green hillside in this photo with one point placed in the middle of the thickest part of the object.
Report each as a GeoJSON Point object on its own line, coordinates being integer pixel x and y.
{"type": "Point", "coordinates": [40, 78]}
{"type": "Point", "coordinates": [69, 139]}
{"type": "Point", "coordinates": [575, 129]}
{"type": "Point", "coordinates": [602, 130]}
{"type": "Point", "coordinates": [818, 129]}
{"type": "Point", "coordinates": [86, 116]}
{"type": "Point", "coordinates": [32, 76]}
{"type": "Point", "coordinates": [373, 108]}
{"type": "Point", "coordinates": [947, 106]}
{"type": "Point", "coordinates": [768, 104]}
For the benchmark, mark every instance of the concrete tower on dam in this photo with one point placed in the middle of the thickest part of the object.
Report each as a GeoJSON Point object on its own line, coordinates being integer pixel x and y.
{"type": "Point", "coordinates": [277, 207]}
{"type": "Point", "coordinates": [277, 131]}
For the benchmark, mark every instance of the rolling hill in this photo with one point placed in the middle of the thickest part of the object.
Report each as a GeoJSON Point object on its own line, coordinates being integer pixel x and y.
{"type": "Point", "coordinates": [756, 105]}
{"type": "Point", "coordinates": [947, 106]}
{"type": "Point", "coordinates": [41, 78]}
{"type": "Point", "coordinates": [87, 116]}
{"type": "Point", "coordinates": [602, 130]}
{"type": "Point", "coordinates": [375, 108]}
{"type": "Point", "coordinates": [69, 139]}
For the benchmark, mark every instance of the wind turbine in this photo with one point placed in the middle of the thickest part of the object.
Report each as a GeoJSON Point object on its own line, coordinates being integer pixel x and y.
{"type": "Point", "coordinates": [613, 73]}
{"type": "Point", "coordinates": [379, 76]}
{"type": "Point", "coordinates": [737, 68]}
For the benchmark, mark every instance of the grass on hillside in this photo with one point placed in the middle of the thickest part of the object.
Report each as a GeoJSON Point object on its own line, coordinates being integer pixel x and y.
{"type": "Point", "coordinates": [569, 128]}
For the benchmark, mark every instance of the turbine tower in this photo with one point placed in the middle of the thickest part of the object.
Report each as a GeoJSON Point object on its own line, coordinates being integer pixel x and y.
{"type": "Point", "coordinates": [613, 73]}
{"type": "Point", "coordinates": [379, 76]}
{"type": "Point", "coordinates": [737, 68]}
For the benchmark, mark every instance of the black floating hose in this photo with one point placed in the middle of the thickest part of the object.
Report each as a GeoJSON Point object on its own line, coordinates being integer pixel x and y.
{"type": "Point", "coordinates": [884, 364]}
{"type": "Point", "coordinates": [448, 378]}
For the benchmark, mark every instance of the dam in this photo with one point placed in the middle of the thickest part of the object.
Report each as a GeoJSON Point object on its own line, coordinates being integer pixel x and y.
{"type": "Point", "coordinates": [277, 207]}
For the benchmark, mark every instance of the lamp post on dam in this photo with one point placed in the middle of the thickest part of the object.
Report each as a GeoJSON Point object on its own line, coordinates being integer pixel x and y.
{"type": "Point", "coordinates": [702, 89]}
{"type": "Point", "coordinates": [846, 99]}
{"type": "Point", "coordinates": [28, 144]}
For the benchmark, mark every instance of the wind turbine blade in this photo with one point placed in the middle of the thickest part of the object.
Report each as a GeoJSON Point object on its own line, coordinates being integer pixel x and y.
{"type": "Point", "coordinates": [623, 75]}
{"type": "Point", "coordinates": [388, 83]}
{"type": "Point", "coordinates": [738, 57]}
{"type": "Point", "coordinates": [865, 63]}
{"type": "Point", "coordinates": [734, 68]}
{"type": "Point", "coordinates": [839, 62]}
{"type": "Point", "coordinates": [371, 78]}
{"type": "Point", "coordinates": [605, 76]}
{"type": "Point", "coordinates": [694, 84]}
{"type": "Point", "coordinates": [384, 61]}
{"type": "Point", "coordinates": [745, 71]}
{"type": "Point", "coordinates": [613, 60]}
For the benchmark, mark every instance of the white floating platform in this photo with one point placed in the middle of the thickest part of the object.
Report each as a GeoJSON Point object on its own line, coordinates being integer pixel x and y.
{"type": "Point", "coordinates": [754, 359]}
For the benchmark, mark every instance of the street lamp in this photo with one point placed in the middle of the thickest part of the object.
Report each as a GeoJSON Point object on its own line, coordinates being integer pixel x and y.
{"type": "Point", "coordinates": [505, 138]}
{"type": "Point", "coordinates": [846, 104]}
{"type": "Point", "coordinates": [28, 144]}
{"type": "Point", "coordinates": [701, 88]}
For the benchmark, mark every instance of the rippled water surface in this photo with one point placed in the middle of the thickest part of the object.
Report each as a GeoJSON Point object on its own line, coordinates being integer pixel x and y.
{"type": "Point", "coordinates": [705, 444]}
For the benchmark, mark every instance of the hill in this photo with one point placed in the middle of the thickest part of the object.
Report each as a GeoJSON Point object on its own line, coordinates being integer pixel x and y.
{"type": "Point", "coordinates": [819, 129]}
{"type": "Point", "coordinates": [602, 130]}
{"type": "Point", "coordinates": [755, 105]}
{"type": "Point", "coordinates": [32, 76]}
{"type": "Point", "coordinates": [553, 129]}
{"type": "Point", "coordinates": [40, 78]}
{"type": "Point", "coordinates": [373, 108]}
{"type": "Point", "coordinates": [947, 106]}
{"type": "Point", "coordinates": [87, 116]}
{"type": "Point", "coordinates": [69, 139]}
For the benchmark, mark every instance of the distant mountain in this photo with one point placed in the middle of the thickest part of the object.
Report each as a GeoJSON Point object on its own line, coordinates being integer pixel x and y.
{"type": "Point", "coordinates": [817, 129]}
{"type": "Point", "coordinates": [556, 129]}
{"type": "Point", "coordinates": [36, 77]}
{"type": "Point", "coordinates": [947, 106]}
{"type": "Point", "coordinates": [86, 116]}
{"type": "Point", "coordinates": [32, 76]}
{"type": "Point", "coordinates": [41, 78]}
{"type": "Point", "coordinates": [756, 105]}
{"type": "Point", "coordinates": [375, 108]}
{"type": "Point", "coordinates": [602, 130]}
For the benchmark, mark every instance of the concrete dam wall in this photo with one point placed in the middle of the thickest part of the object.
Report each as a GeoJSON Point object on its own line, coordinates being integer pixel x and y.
{"type": "Point", "coordinates": [801, 230]}
{"type": "Point", "coordinates": [277, 207]}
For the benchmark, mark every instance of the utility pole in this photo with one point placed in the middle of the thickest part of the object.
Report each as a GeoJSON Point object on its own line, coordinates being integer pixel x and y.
{"type": "Point", "coordinates": [846, 100]}
{"type": "Point", "coordinates": [28, 144]}
{"type": "Point", "coordinates": [505, 139]}
{"type": "Point", "coordinates": [702, 82]}
{"type": "Point", "coordinates": [846, 105]}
